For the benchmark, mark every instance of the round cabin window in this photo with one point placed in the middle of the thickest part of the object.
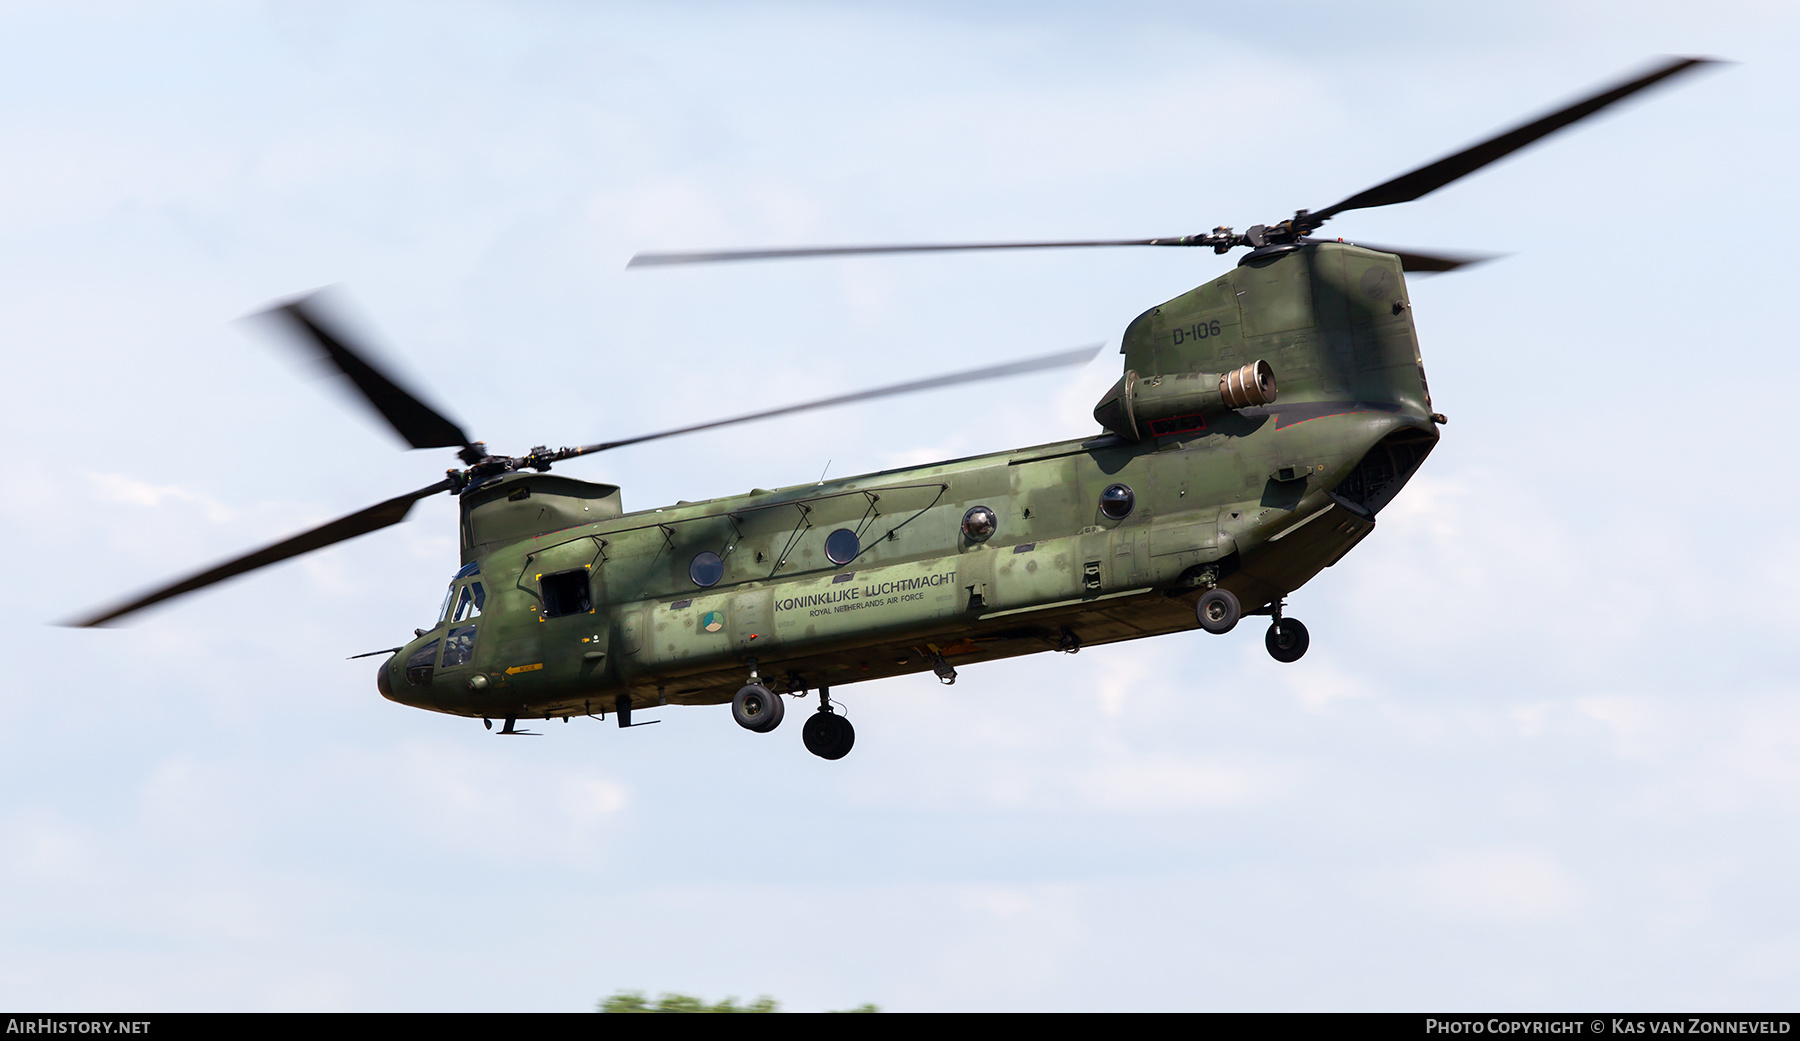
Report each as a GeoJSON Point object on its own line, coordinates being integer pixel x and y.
{"type": "Point", "coordinates": [979, 524]}
{"type": "Point", "coordinates": [1117, 500]}
{"type": "Point", "coordinates": [707, 569]}
{"type": "Point", "coordinates": [842, 546]}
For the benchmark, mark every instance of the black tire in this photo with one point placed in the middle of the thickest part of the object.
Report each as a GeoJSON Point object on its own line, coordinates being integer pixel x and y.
{"type": "Point", "coordinates": [843, 738]}
{"type": "Point", "coordinates": [817, 733]}
{"type": "Point", "coordinates": [1286, 640]}
{"type": "Point", "coordinates": [756, 708]}
{"type": "Point", "coordinates": [828, 736]}
{"type": "Point", "coordinates": [1218, 611]}
{"type": "Point", "coordinates": [774, 717]}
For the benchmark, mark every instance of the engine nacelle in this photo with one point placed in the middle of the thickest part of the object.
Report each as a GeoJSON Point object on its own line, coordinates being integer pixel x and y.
{"type": "Point", "coordinates": [1136, 408]}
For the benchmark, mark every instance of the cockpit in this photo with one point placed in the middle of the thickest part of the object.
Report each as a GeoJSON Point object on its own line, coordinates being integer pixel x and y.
{"type": "Point", "coordinates": [463, 603]}
{"type": "Point", "coordinates": [465, 599]}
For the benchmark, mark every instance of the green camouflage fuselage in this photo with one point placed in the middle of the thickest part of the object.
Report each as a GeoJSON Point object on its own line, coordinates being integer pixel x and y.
{"type": "Point", "coordinates": [1258, 501]}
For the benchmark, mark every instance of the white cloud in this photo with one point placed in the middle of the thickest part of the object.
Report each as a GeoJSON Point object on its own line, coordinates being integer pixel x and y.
{"type": "Point", "coordinates": [1640, 728]}
{"type": "Point", "coordinates": [121, 489]}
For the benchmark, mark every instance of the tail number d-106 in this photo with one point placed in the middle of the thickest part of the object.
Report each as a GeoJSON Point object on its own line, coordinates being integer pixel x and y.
{"type": "Point", "coordinates": [1197, 331]}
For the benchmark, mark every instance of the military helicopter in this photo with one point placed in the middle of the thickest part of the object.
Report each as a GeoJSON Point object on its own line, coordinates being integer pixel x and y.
{"type": "Point", "coordinates": [1262, 422]}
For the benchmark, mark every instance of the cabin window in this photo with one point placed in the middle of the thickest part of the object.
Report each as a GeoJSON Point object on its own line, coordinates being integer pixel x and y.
{"type": "Point", "coordinates": [566, 593]}
{"type": "Point", "coordinates": [841, 546]}
{"type": "Point", "coordinates": [418, 667]}
{"type": "Point", "coordinates": [979, 524]}
{"type": "Point", "coordinates": [459, 646]}
{"type": "Point", "coordinates": [706, 569]}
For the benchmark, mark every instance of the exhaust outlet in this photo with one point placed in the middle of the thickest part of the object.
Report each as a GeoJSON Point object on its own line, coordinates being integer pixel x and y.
{"type": "Point", "coordinates": [1253, 384]}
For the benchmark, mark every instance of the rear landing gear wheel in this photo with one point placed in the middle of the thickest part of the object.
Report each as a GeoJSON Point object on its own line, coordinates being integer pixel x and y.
{"type": "Point", "coordinates": [1218, 611]}
{"type": "Point", "coordinates": [756, 708]}
{"type": "Point", "coordinates": [1286, 640]}
{"type": "Point", "coordinates": [828, 736]}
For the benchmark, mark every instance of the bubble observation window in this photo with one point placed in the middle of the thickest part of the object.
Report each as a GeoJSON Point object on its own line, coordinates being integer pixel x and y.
{"type": "Point", "coordinates": [1117, 500]}
{"type": "Point", "coordinates": [979, 524]}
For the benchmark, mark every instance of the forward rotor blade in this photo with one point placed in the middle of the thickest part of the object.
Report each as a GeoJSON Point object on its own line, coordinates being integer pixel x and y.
{"type": "Point", "coordinates": [420, 424]}
{"type": "Point", "coordinates": [1432, 176]}
{"type": "Point", "coordinates": [793, 252]}
{"type": "Point", "coordinates": [362, 522]}
{"type": "Point", "coordinates": [1061, 359]}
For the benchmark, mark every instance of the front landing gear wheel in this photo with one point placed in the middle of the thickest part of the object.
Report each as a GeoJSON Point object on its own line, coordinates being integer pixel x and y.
{"type": "Point", "coordinates": [1218, 611]}
{"type": "Point", "coordinates": [756, 708]}
{"type": "Point", "coordinates": [828, 736]}
{"type": "Point", "coordinates": [1286, 640]}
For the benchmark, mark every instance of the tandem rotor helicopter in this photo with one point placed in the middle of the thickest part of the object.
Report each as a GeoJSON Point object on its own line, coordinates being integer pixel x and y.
{"type": "Point", "coordinates": [1261, 423]}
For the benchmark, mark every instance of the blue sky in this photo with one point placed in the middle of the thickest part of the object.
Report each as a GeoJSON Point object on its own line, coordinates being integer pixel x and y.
{"type": "Point", "coordinates": [1544, 751]}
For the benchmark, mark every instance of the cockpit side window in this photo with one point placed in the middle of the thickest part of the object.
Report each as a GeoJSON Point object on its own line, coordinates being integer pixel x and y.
{"type": "Point", "coordinates": [459, 646]}
{"type": "Point", "coordinates": [466, 571]}
{"type": "Point", "coordinates": [470, 603]}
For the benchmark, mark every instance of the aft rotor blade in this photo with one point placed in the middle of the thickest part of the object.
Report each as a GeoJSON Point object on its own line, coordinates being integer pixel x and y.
{"type": "Point", "coordinates": [1426, 263]}
{"type": "Point", "coordinates": [1432, 176]}
{"type": "Point", "coordinates": [376, 517]}
{"type": "Point", "coordinates": [1061, 359]}
{"type": "Point", "coordinates": [421, 425]}
{"type": "Point", "coordinates": [795, 252]}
